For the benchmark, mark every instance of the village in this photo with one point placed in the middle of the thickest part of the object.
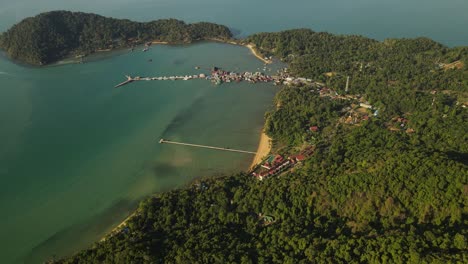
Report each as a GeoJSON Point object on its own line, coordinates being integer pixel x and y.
{"type": "Point", "coordinates": [219, 76]}
{"type": "Point", "coordinates": [360, 109]}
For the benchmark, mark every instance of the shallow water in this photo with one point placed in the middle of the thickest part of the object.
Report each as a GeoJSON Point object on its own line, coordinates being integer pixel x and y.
{"type": "Point", "coordinates": [77, 154]}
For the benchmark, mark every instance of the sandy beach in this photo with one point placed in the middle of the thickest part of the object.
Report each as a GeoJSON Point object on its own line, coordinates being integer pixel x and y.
{"type": "Point", "coordinates": [263, 150]}
{"type": "Point", "coordinates": [250, 46]}
{"type": "Point", "coordinates": [159, 42]}
{"type": "Point", "coordinates": [256, 54]}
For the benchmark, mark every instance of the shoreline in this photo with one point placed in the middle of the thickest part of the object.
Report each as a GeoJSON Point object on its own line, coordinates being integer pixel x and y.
{"type": "Point", "coordinates": [119, 226]}
{"type": "Point", "coordinates": [250, 46]}
{"type": "Point", "coordinates": [264, 148]}
{"type": "Point", "coordinates": [159, 42]}
{"type": "Point", "coordinates": [254, 51]}
{"type": "Point", "coordinates": [72, 59]}
{"type": "Point", "coordinates": [264, 145]}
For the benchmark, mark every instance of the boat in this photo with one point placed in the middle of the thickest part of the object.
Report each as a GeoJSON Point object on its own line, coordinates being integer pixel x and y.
{"type": "Point", "coordinates": [145, 49]}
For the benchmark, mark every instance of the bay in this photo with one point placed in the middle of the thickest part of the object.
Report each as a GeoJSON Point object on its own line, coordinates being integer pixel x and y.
{"type": "Point", "coordinates": [76, 155]}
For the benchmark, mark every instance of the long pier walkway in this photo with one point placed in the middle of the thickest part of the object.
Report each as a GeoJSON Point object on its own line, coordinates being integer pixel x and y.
{"type": "Point", "coordinates": [203, 146]}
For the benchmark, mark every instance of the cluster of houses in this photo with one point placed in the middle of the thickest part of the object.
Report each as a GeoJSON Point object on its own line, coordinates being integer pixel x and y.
{"type": "Point", "coordinates": [399, 124]}
{"type": "Point", "coordinates": [294, 81]}
{"type": "Point", "coordinates": [219, 76]}
{"type": "Point", "coordinates": [324, 91]}
{"type": "Point", "coordinates": [276, 164]}
{"type": "Point", "coordinates": [353, 117]}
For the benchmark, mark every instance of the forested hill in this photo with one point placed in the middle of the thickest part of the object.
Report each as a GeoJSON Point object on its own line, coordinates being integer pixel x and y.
{"type": "Point", "coordinates": [419, 64]}
{"type": "Point", "coordinates": [387, 183]}
{"type": "Point", "coordinates": [51, 36]}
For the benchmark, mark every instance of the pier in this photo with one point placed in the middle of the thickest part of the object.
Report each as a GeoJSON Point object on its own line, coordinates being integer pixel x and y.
{"type": "Point", "coordinates": [203, 146]}
{"type": "Point", "coordinates": [129, 80]}
{"type": "Point", "coordinates": [219, 76]}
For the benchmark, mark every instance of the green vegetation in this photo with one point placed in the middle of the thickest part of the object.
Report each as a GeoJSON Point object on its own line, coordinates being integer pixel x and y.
{"type": "Point", "coordinates": [388, 188]}
{"type": "Point", "coordinates": [51, 36]}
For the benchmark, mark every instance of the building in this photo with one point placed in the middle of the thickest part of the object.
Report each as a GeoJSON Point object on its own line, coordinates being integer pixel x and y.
{"type": "Point", "coordinates": [368, 106]}
{"type": "Point", "coordinates": [314, 129]}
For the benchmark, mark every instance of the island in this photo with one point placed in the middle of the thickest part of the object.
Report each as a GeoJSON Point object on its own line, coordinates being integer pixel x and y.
{"type": "Point", "coordinates": [368, 164]}
{"type": "Point", "coordinates": [51, 36]}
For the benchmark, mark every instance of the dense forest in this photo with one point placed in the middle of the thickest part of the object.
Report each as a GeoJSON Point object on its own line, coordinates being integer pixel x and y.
{"type": "Point", "coordinates": [389, 186]}
{"type": "Point", "coordinates": [51, 36]}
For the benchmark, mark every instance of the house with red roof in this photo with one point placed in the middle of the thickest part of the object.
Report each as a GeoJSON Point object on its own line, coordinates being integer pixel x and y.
{"type": "Point", "coordinates": [314, 129]}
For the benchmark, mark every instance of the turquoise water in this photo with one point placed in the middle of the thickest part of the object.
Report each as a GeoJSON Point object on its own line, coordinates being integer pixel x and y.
{"type": "Point", "coordinates": [76, 155]}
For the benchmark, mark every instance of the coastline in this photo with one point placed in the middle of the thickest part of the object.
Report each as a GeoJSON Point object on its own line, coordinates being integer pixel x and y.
{"type": "Point", "coordinates": [73, 58]}
{"type": "Point", "coordinates": [264, 148]}
{"type": "Point", "coordinates": [254, 51]}
{"type": "Point", "coordinates": [120, 226]}
{"type": "Point", "coordinates": [264, 145]}
{"type": "Point", "coordinates": [159, 42]}
{"type": "Point", "coordinates": [250, 46]}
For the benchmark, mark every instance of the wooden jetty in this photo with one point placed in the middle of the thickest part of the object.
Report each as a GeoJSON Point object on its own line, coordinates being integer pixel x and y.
{"type": "Point", "coordinates": [161, 141]}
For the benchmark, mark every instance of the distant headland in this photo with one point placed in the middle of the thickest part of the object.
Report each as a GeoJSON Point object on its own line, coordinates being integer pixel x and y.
{"type": "Point", "coordinates": [51, 36]}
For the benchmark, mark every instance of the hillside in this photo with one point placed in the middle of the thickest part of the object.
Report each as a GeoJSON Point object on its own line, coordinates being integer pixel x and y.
{"type": "Point", "coordinates": [387, 182]}
{"type": "Point", "coordinates": [51, 36]}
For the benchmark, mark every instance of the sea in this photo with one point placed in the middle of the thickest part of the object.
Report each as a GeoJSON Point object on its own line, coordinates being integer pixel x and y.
{"type": "Point", "coordinates": [77, 155]}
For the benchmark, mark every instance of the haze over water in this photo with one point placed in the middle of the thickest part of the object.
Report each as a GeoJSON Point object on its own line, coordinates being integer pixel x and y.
{"type": "Point", "coordinates": [76, 155]}
{"type": "Point", "coordinates": [444, 21]}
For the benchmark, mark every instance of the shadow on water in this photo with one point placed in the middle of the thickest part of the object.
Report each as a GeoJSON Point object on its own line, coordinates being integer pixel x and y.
{"type": "Point", "coordinates": [163, 170]}
{"type": "Point", "coordinates": [179, 61]}
{"type": "Point", "coordinates": [95, 228]}
{"type": "Point", "coordinates": [182, 117]}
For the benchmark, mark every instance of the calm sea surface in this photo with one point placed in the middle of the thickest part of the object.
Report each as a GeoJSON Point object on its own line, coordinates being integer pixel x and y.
{"type": "Point", "coordinates": [76, 155]}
